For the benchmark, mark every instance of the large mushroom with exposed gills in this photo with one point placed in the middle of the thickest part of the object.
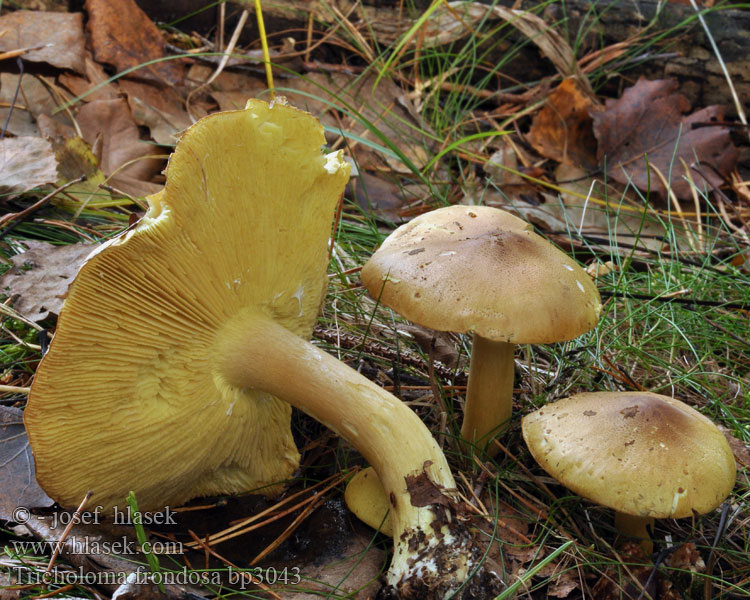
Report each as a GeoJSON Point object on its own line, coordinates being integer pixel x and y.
{"type": "Point", "coordinates": [181, 347]}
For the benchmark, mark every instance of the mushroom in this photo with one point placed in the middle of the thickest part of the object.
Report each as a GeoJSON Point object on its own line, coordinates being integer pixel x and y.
{"type": "Point", "coordinates": [366, 498]}
{"type": "Point", "coordinates": [177, 338]}
{"type": "Point", "coordinates": [645, 455]}
{"type": "Point", "coordinates": [481, 270]}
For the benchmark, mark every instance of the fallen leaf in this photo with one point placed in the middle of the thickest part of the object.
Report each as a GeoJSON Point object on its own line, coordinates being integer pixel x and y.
{"type": "Point", "coordinates": [354, 569]}
{"type": "Point", "coordinates": [123, 36]}
{"type": "Point", "coordinates": [93, 76]}
{"type": "Point", "coordinates": [740, 449]}
{"type": "Point", "coordinates": [231, 90]}
{"type": "Point", "coordinates": [21, 121]}
{"type": "Point", "coordinates": [615, 585]}
{"type": "Point", "coordinates": [650, 120]}
{"type": "Point", "coordinates": [441, 344]}
{"type": "Point", "coordinates": [687, 558]}
{"type": "Point", "coordinates": [321, 94]}
{"type": "Point", "coordinates": [500, 166]}
{"type": "Point", "coordinates": [379, 194]}
{"type": "Point", "coordinates": [564, 584]}
{"type": "Point", "coordinates": [563, 130]}
{"type": "Point", "coordinates": [25, 163]}
{"type": "Point", "coordinates": [109, 124]}
{"type": "Point", "coordinates": [35, 100]}
{"type": "Point", "coordinates": [161, 110]}
{"type": "Point", "coordinates": [425, 492]}
{"type": "Point", "coordinates": [18, 487]}
{"type": "Point", "coordinates": [59, 33]}
{"type": "Point", "coordinates": [40, 277]}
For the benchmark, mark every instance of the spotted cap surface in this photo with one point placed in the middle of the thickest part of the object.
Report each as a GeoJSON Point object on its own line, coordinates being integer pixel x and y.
{"type": "Point", "coordinates": [481, 269]}
{"type": "Point", "coordinates": [642, 454]}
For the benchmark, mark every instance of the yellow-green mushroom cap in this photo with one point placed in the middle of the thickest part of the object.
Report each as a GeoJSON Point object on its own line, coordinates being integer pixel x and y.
{"type": "Point", "coordinates": [480, 269]}
{"type": "Point", "coordinates": [130, 395]}
{"type": "Point", "coordinates": [639, 453]}
{"type": "Point", "coordinates": [366, 498]}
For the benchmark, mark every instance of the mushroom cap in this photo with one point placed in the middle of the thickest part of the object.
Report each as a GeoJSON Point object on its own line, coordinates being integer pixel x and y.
{"type": "Point", "coordinates": [480, 269]}
{"type": "Point", "coordinates": [366, 498]}
{"type": "Point", "coordinates": [129, 396]}
{"type": "Point", "coordinates": [642, 454]}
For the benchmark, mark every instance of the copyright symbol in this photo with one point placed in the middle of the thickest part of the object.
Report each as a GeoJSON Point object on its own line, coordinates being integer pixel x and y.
{"type": "Point", "coordinates": [21, 515]}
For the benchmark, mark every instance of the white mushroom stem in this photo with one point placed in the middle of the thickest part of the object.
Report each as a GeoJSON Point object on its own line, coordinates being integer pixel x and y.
{"type": "Point", "coordinates": [489, 397]}
{"type": "Point", "coordinates": [433, 553]}
{"type": "Point", "coordinates": [636, 527]}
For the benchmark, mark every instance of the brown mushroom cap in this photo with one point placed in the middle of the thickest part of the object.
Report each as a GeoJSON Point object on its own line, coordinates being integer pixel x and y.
{"type": "Point", "coordinates": [480, 269]}
{"type": "Point", "coordinates": [640, 453]}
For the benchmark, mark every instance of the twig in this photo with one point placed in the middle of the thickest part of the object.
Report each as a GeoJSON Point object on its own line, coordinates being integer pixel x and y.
{"type": "Point", "coordinates": [21, 51]}
{"type": "Point", "coordinates": [14, 389]}
{"type": "Point", "coordinates": [208, 550]}
{"type": "Point", "coordinates": [58, 546]}
{"type": "Point", "coordinates": [19, 216]}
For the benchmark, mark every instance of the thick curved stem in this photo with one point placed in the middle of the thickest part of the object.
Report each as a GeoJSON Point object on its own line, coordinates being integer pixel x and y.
{"type": "Point", "coordinates": [489, 397]}
{"type": "Point", "coordinates": [637, 527]}
{"type": "Point", "coordinates": [433, 553]}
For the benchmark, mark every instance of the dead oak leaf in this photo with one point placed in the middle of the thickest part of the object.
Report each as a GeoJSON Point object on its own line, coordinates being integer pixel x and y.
{"type": "Point", "coordinates": [18, 486]}
{"type": "Point", "coordinates": [109, 126]}
{"type": "Point", "coordinates": [123, 36]}
{"type": "Point", "coordinates": [563, 129]}
{"type": "Point", "coordinates": [59, 34]}
{"type": "Point", "coordinates": [650, 120]}
{"type": "Point", "coordinates": [26, 162]}
{"type": "Point", "coordinates": [40, 277]}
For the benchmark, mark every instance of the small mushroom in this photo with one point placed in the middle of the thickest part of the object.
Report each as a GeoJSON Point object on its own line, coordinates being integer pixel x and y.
{"type": "Point", "coordinates": [482, 270]}
{"type": "Point", "coordinates": [366, 498]}
{"type": "Point", "coordinates": [645, 455]}
{"type": "Point", "coordinates": [182, 341]}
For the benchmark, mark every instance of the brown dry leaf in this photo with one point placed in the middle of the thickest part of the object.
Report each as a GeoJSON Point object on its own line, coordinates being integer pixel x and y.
{"type": "Point", "coordinates": [230, 90]}
{"type": "Point", "coordinates": [108, 124]}
{"type": "Point", "coordinates": [26, 162]}
{"type": "Point", "coordinates": [123, 36]}
{"type": "Point", "coordinates": [614, 585]}
{"type": "Point", "coordinates": [385, 107]}
{"type": "Point", "coordinates": [687, 558]}
{"type": "Point", "coordinates": [354, 570]}
{"type": "Point", "coordinates": [564, 584]}
{"type": "Point", "coordinates": [18, 486]}
{"type": "Point", "coordinates": [563, 580]}
{"type": "Point", "coordinates": [40, 277]}
{"type": "Point", "coordinates": [94, 75]}
{"type": "Point", "coordinates": [161, 110]}
{"type": "Point", "coordinates": [380, 195]}
{"type": "Point", "coordinates": [60, 34]}
{"type": "Point", "coordinates": [34, 100]}
{"type": "Point", "coordinates": [440, 344]}
{"type": "Point", "coordinates": [740, 449]}
{"type": "Point", "coordinates": [650, 119]}
{"type": "Point", "coordinates": [563, 130]}
{"type": "Point", "coordinates": [21, 122]}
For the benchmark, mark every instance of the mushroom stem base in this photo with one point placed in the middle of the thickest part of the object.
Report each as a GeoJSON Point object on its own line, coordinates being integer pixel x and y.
{"type": "Point", "coordinates": [255, 352]}
{"type": "Point", "coordinates": [637, 527]}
